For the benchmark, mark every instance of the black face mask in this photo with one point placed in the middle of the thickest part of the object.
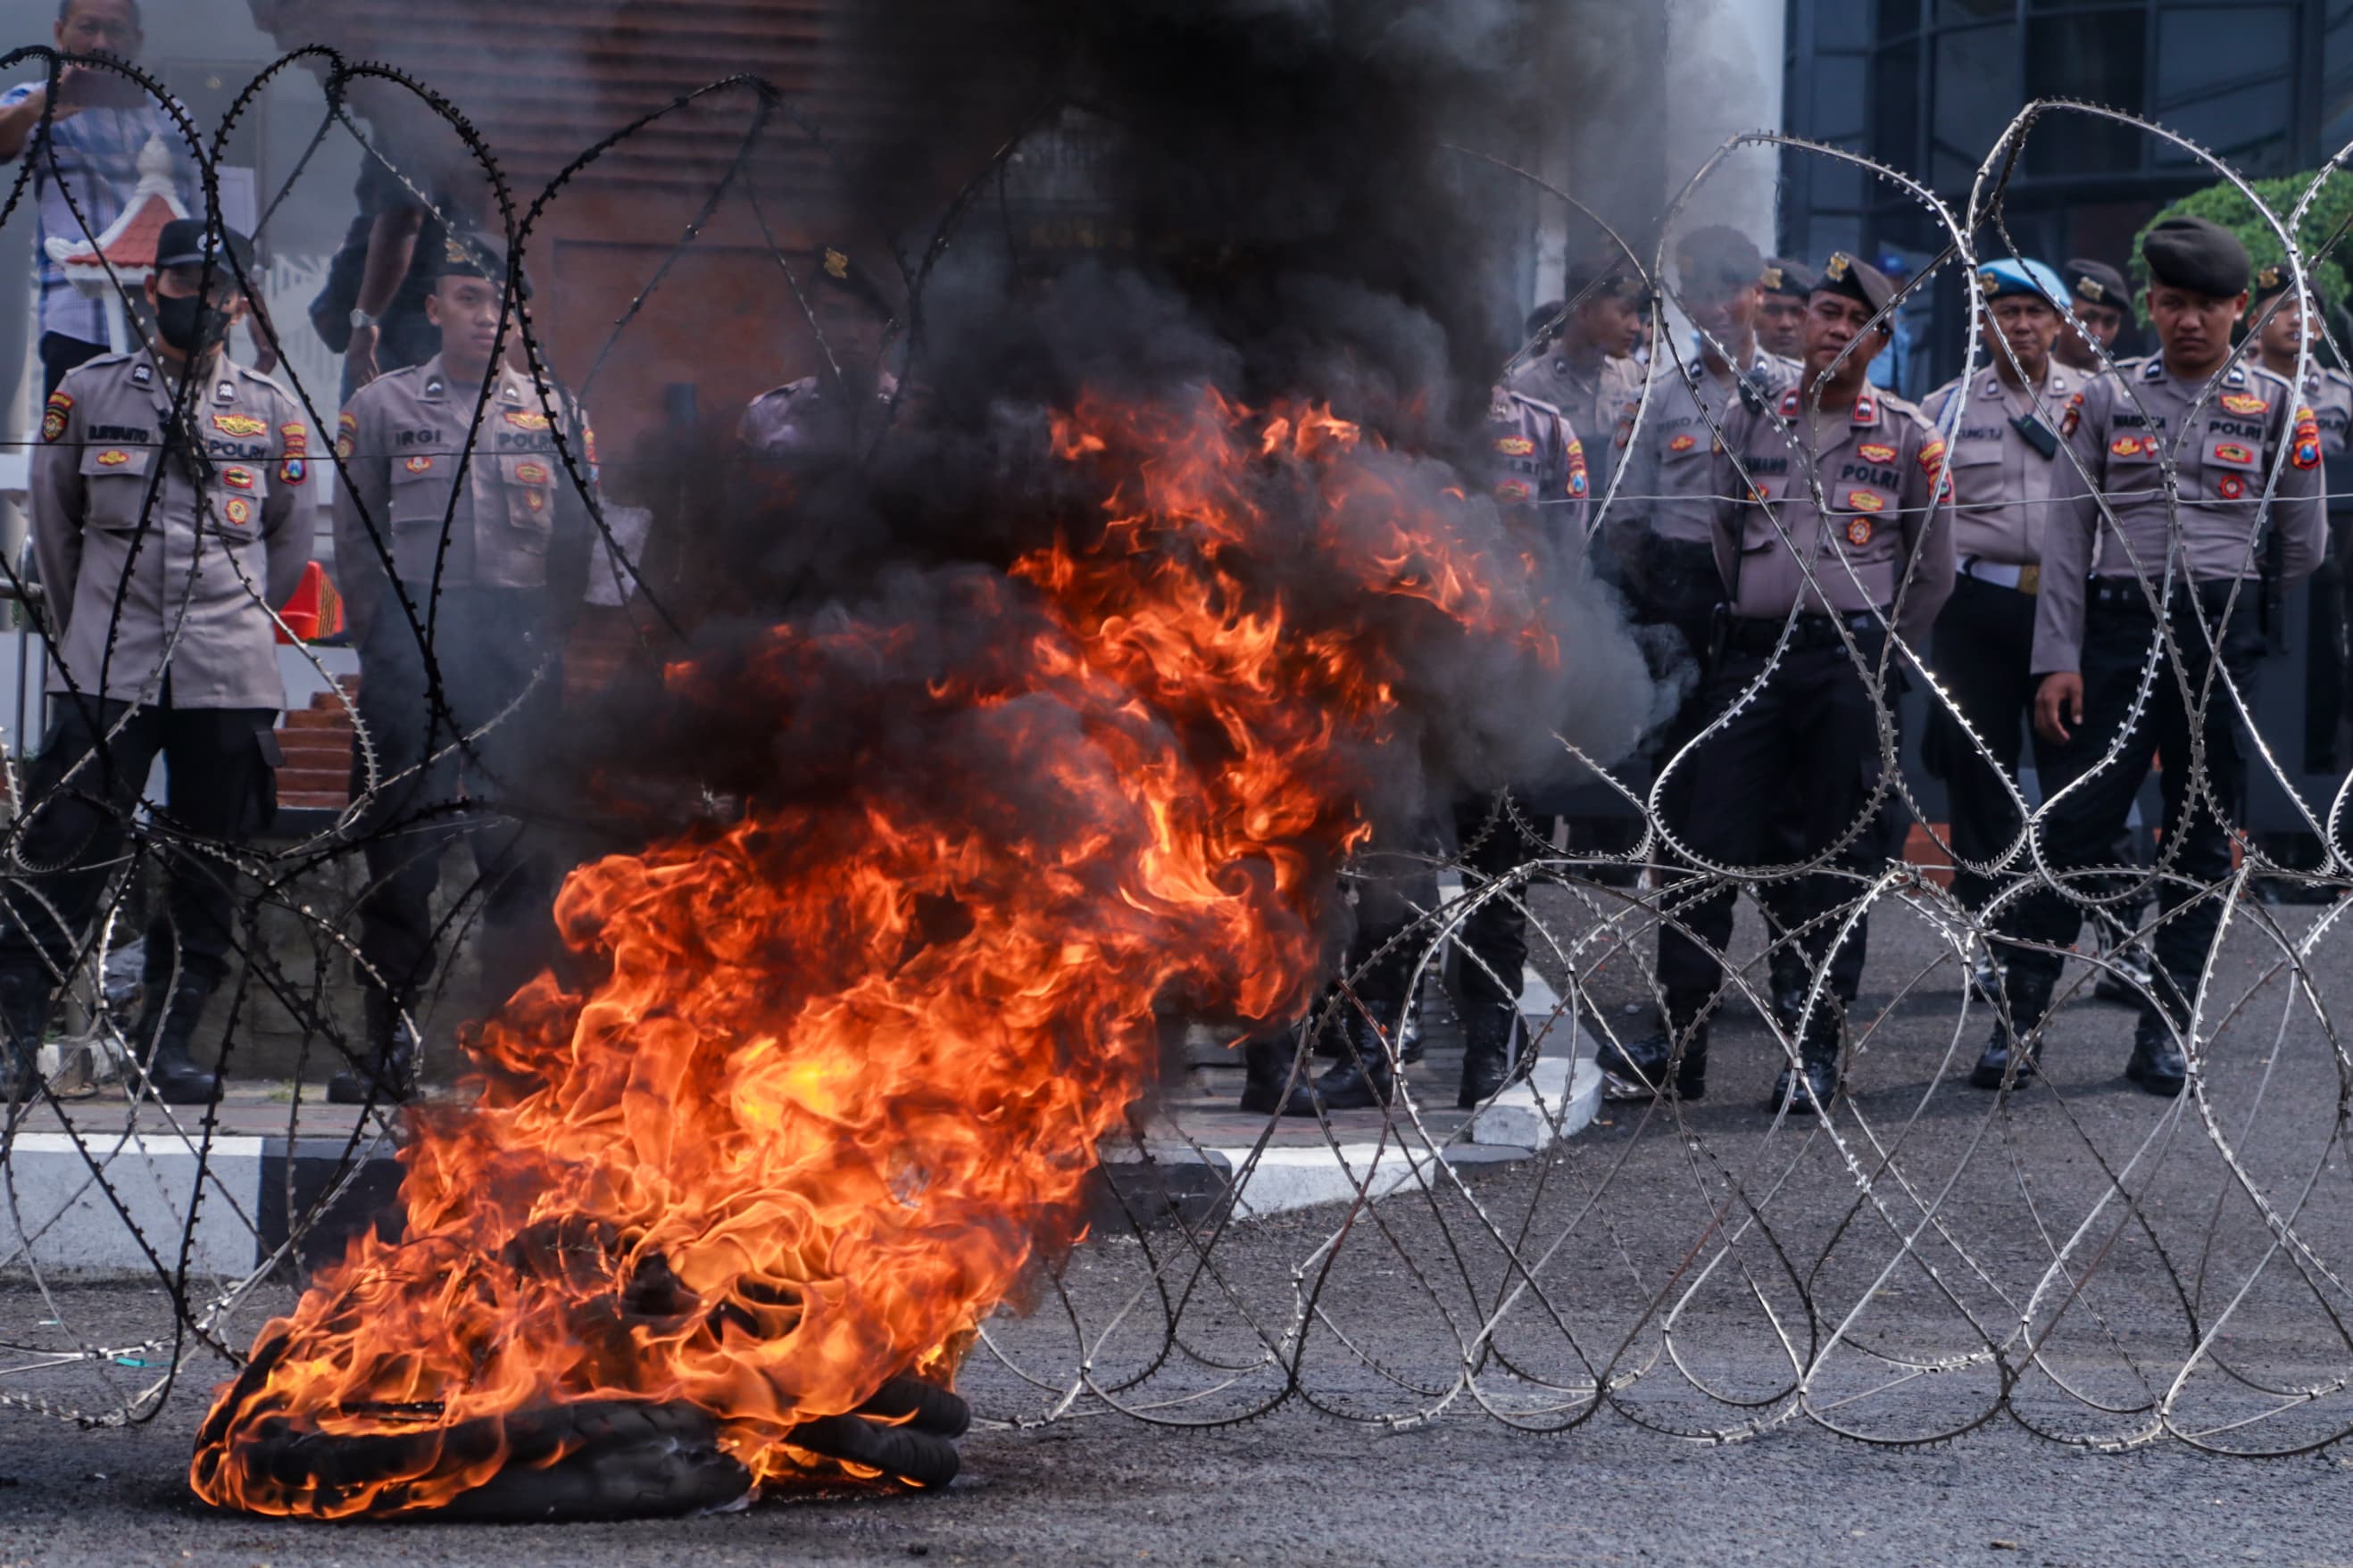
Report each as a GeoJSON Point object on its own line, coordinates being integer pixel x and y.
{"type": "Point", "coordinates": [188, 323]}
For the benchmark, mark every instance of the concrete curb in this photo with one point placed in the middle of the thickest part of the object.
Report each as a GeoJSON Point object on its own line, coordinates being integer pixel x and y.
{"type": "Point", "coordinates": [1557, 1100]}
{"type": "Point", "coordinates": [256, 1187]}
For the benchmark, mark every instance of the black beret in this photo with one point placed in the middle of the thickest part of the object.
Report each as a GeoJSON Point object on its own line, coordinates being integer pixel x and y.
{"type": "Point", "coordinates": [1851, 279]}
{"type": "Point", "coordinates": [2096, 283]}
{"type": "Point", "coordinates": [1783, 276]}
{"type": "Point", "coordinates": [469, 256]}
{"type": "Point", "coordinates": [1719, 257]}
{"type": "Point", "coordinates": [2190, 253]}
{"type": "Point", "coordinates": [836, 270]}
{"type": "Point", "coordinates": [1604, 273]}
{"type": "Point", "coordinates": [187, 241]}
{"type": "Point", "coordinates": [2279, 278]}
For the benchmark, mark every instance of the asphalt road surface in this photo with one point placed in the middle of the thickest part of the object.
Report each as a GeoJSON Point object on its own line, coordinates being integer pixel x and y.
{"type": "Point", "coordinates": [1691, 1270]}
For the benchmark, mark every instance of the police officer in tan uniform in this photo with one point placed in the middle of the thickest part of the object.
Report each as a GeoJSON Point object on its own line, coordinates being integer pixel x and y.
{"type": "Point", "coordinates": [2226, 430]}
{"type": "Point", "coordinates": [1880, 556]}
{"type": "Point", "coordinates": [169, 514]}
{"type": "Point", "coordinates": [2281, 328]}
{"type": "Point", "coordinates": [1534, 466]}
{"type": "Point", "coordinates": [462, 549]}
{"type": "Point", "coordinates": [2097, 298]}
{"type": "Point", "coordinates": [1781, 314]}
{"type": "Point", "coordinates": [2002, 423]}
{"type": "Point", "coordinates": [838, 412]}
{"type": "Point", "coordinates": [1578, 361]}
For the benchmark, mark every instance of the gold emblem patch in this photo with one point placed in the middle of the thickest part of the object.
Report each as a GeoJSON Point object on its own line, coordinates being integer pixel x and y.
{"type": "Point", "coordinates": [240, 424]}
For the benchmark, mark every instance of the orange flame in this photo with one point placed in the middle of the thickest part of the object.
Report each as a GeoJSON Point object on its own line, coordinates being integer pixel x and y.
{"type": "Point", "coordinates": [837, 1073]}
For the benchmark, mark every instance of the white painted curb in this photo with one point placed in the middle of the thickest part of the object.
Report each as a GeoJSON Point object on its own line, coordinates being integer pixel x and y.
{"type": "Point", "coordinates": [58, 1216]}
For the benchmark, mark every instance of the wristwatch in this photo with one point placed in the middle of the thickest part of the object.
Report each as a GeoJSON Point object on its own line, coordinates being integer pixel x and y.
{"type": "Point", "coordinates": [361, 318]}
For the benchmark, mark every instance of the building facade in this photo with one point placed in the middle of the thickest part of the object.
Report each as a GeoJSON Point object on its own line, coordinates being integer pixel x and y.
{"type": "Point", "coordinates": [1927, 86]}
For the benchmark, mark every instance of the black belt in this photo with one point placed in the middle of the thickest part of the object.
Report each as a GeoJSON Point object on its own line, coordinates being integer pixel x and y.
{"type": "Point", "coordinates": [1758, 636]}
{"type": "Point", "coordinates": [2129, 597]}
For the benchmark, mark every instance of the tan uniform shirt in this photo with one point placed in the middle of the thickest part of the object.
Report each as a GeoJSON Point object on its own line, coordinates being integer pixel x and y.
{"type": "Point", "coordinates": [1599, 407]}
{"type": "Point", "coordinates": [1535, 460]}
{"type": "Point", "coordinates": [505, 509]}
{"type": "Point", "coordinates": [805, 419]}
{"type": "Point", "coordinates": [1877, 473]}
{"type": "Point", "coordinates": [1670, 489]}
{"type": "Point", "coordinates": [2123, 428]}
{"type": "Point", "coordinates": [171, 545]}
{"type": "Point", "coordinates": [2002, 483]}
{"type": "Point", "coordinates": [2329, 395]}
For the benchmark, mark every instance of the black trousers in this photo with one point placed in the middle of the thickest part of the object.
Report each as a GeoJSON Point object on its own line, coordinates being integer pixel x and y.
{"type": "Point", "coordinates": [1984, 654]}
{"type": "Point", "coordinates": [1492, 941]}
{"type": "Point", "coordinates": [83, 789]}
{"type": "Point", "coordinates": [59, 354]}
{"type": "Point", "coordinates": [486, 643]}
{"type": "Point", "coordinates": [1803, 752]}
{"type": "Point", "coordinates": [2080, 828]}
{"type": "Point", "coordinates": [1681, 586]}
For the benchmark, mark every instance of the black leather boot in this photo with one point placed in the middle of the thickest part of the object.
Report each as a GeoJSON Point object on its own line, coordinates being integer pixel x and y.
{"type": "Point", "coordinates": [167, 1023]}
{"type": "Point", "coordinates": [1636, 1070]}
{"type": "Point", "coordinates": [2009, 1055]}
{"type": "Point", "coordinates": [24, 1020]}
{"type": "Point", "coordinates": [1495, 1051]}
{"type": "Point", "coordinates": [2157, 1065]}
{"type": "Point", "coordinates": [1270, 1090]}
{"type": "Point", "coordinates": [391, 1073]}
{"type": "Point", "coordinates": [1365, 1077]}
{"type": "Point", "coordinates": [1809, 1087]}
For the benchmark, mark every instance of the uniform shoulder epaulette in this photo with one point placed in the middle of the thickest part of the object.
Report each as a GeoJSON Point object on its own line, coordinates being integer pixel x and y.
{"type": "Point", "coordinates": [100, 362]}
{"type": "Point", "coordinates": [2279, 382]}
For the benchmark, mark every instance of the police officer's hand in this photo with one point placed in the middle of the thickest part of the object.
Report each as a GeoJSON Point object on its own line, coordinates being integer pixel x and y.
{"type": "Point", "coordinates": [359, 357]}
{"type": "Point", "coordinates": [2059, 703]}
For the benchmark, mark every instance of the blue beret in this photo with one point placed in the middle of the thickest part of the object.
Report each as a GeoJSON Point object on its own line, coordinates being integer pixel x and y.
{"type": "Point", "coordinates": [2008, 276]}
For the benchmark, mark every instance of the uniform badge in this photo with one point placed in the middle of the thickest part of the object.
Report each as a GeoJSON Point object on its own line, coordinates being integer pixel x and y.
{"type": "Point", "coordinates": [1866, 501]}
{"type": "Point", "coordinates": [1930, 456]}
{"type": "Point", "coordinates": [2245, 403]}
{"type": "Point", "coordinates": [1499, 407]}
{"type": "Point", "coordinates": [237, 479]}
{"type": "Point", "coordinates": [347, 430]}
{"type": "Point", "coordinates": [238, 509]}
{"type": "Point", "coordinates": [2231, 452]}
{"type": "Point", "coordinates": [1578, 480]}
{"type": "Point", "coordinates": [1509, 445]}
{"type": "Point", "coordinates": [240, 424]}
{"type": "Point", "coordinates": [1683, 443]}
{"type": "Point", "coordinates": [53, 417]}
{"type": "Point", "coordinates": [2073, 419]}
{"type": "Point", "coordinates": [1859, 531]}
{"type": "Point", "coordinates": [2307, 451]}
{"type": "Point", "coordinates": [1835, 267]}
{"type": "Point", "coordinates": [2125, 447]}
{"type": "Point", "coordinates": [530, 473]}
{"type": "Point", "coordinates": [589, 441]}
{"type": "Point", "coordinates": [1872, 452]}
{"type": "Point", "coordinates": [2230, 487]}
{"type": "Point", "coordinates": [433, 387]}
{"type": "Point", "coordinates": [526, 419]}
{"type": "Point", "coordinates": [142, 375]}
{"type": "Point", "coordinates": [418, 465]}
{"type": "Point", "coordinates": [225, 393]}
{"type": "Point", "coordinates": [293, 471]}
{"type": "Point", "coordinates": [1866, 412]}
{"type": "Point", "coordinates": [1791, 404]}
{"type": "Point", "coordinates": [1510, 492]}
{"type": "Point", "coordinates": [297, 438]}
{"type": "Point", "coordinates": [534, 500]}
{"type": "Point", "coordinates": [112, 459]}
{"type": "Point", "coordinates": [509, 394]}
